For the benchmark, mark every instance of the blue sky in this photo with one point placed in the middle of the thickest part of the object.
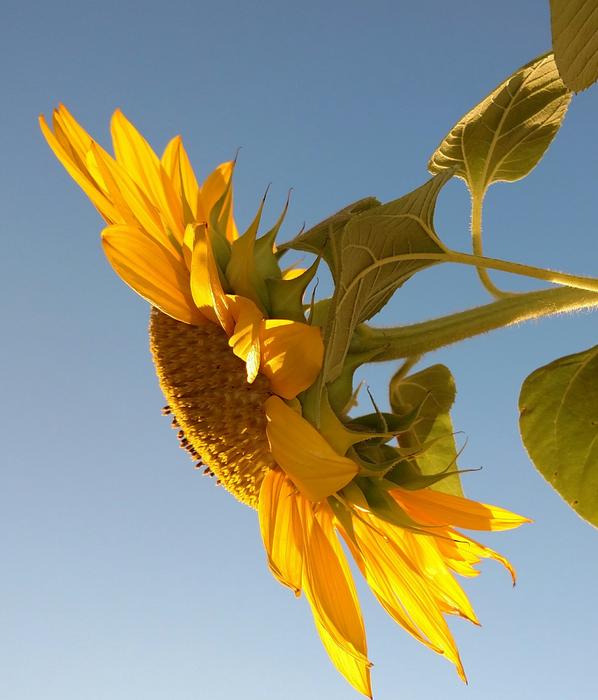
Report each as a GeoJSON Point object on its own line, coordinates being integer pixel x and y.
{"type": "Point", "coordinates": [125, 573]}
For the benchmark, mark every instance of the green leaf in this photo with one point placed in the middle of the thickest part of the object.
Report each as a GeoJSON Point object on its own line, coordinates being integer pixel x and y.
{"type": "Point", "coordinates": [575, 41]}
{"type": "Point", "coordinates": [371, 255]}
{"type": "Point", "coordinates": [317, 239]}
{"type": "Point", "coordinates": [505, 135]}
{"type": "Point", "coordinates": [558, 420]}
{"type": "Point", "coordinates": [433, 391]}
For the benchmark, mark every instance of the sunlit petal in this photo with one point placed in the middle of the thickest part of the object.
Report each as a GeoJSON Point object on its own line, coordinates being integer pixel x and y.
{"type": "Point", "coordinates": [462, 553]}
{"type": "Point", "coordinates": [291, 356]}
{"type": "Point", "coordinates": [138, 159]}
{"type": "Point", "coordinates": [315, 469]}
{"type": "Point", "coordinates": [81, 177]}
{"type": "Point", "coordinates": [281, 529]}
{"type": "Point", "coordinates": [410, 589]}
{"type": "Point", "coordinates": [437, 508]}
{"type": "Point", "coordinates": [329, 587]}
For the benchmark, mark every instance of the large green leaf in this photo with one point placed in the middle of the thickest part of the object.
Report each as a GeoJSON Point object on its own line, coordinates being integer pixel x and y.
{"type": "Point", "coordinates": [505, 135]}
{"type": "Point", "coordinates": [371, 261]}
{"type": "Point", "coordinates": [318, 239]}
{"type": "Point", "coordinates": [575, 41]}
{"type": "Point", "coordinates": [432, 391]}
{"type": "Point", "coordinates": [559, 427]}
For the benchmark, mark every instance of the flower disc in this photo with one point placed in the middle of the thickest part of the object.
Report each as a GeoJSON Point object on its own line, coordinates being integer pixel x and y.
{"type": "Point", "coordinates": [220, 415]}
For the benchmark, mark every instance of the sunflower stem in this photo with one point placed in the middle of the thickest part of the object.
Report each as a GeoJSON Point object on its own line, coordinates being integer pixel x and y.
{"type": "Point", "coordinates": [419, 338]}
{"type": "Point", "coordinates": [477, 203]}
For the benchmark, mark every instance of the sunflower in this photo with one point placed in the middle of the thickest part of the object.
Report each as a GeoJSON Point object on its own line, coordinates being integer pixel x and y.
{"type": "Point", "coordinates": [235, 350]}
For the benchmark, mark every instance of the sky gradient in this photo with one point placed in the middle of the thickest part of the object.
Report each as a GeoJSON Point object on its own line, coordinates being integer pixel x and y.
{"type": "Point", "coordinates": [126, 574]}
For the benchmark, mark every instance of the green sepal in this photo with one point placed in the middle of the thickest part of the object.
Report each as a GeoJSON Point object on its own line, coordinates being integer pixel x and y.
{"type": "Point", "coordinates": [376, 459]}
{"type": "Point", "coordinates": [407, 475]}
{"type": "Point", "coordinates": [319, 312]}
{"type": "Point", "coordinates": [355, 496]}
{"type": "Point", "coordinates": [336, 432]}
{"type": "Point", "coordinates": [390, 423]}
{"type": "Point", "coordinates": [383, 506]}
{"type": "Point", "coordinates": [266, 260]}
{"type": "Point", "coordinates": [219, 215]}
{"type": "Point", "coordinates": [343, 515]}
{"type": "Point", "coordinates": [268, 240]}
{"type": "Point", "coordinates": [340, 391]}
{"type": "Point", "coordinates": [287, 295]}
{"type": "Point", "coordinates": [241, 269]}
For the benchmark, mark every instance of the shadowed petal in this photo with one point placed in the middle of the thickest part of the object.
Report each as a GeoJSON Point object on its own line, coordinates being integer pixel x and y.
{"type": "Point", "coordinates": [246, 341]}
{"type": "Point", "coordinates": [151, 271]}
{"type": "Point", "coordinates": [206, 287]}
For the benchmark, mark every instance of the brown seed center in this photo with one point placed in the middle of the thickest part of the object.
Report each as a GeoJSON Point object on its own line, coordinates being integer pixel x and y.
{"type": "Point", "coordinates": [220, 415]}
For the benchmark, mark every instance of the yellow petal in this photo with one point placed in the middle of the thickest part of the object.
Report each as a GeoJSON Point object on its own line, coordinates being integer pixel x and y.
{"type": "Point", "coordinates": [102, 164]}
{"type": "Point", "coordinates": [170, 162]}
{"type": "Point", "coordinates": [133, 203]}
{"type": "Point", "coordinates": [281, 529]}
{"type": "Point", "coordinates": [376, 564]}
{"type": "Point", "coordinates": [432, 566]}
{"type": "Point", "coordinates": [189, 181]}
{"type": "Point", "coordinates": [410, 589]}
{"type": "Point", "coordinates": [430, 507]}
{"type": "Point", "coordinates": [461, 554]}
{"type": "Point", "coordinates": [81, 176]}
{"type": "Point", "coordinates": [303, 454]}
{"type": "Point", "coordinates": [291, 356]}
{"type": "Point", "coordinates": [355, 671]}
{"type": "Point", "coordinates": [330, 590]}
{"type": "Point", "coordinates": [214, 187]}
{"type": "Point", "coordinates": [206, 288]}
{"type": "Point", "coordinates": [151, 271]}
{"type": "Point", "coordinates": [137, 157]}
{"type": "Point", "coordinates": [245, 340]}
{"type": "Point", "coordinates": [70, 133]}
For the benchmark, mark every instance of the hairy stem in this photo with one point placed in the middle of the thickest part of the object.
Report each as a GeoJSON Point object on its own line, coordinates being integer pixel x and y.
{"type": "Point", "coordinates": [477, 202]}
{"type": "Point", "coordinates": [419, 338]}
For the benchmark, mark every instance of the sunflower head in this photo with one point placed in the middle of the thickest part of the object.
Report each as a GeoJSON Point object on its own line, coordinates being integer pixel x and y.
{"type": "Point", "coordinates": [243, 362]}
{"type": "Point", "coordinates": [228, 327]}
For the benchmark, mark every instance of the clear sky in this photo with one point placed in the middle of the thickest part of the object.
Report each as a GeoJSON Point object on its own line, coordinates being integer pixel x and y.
{"type": "Point", "coordinates": [125, 573]}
